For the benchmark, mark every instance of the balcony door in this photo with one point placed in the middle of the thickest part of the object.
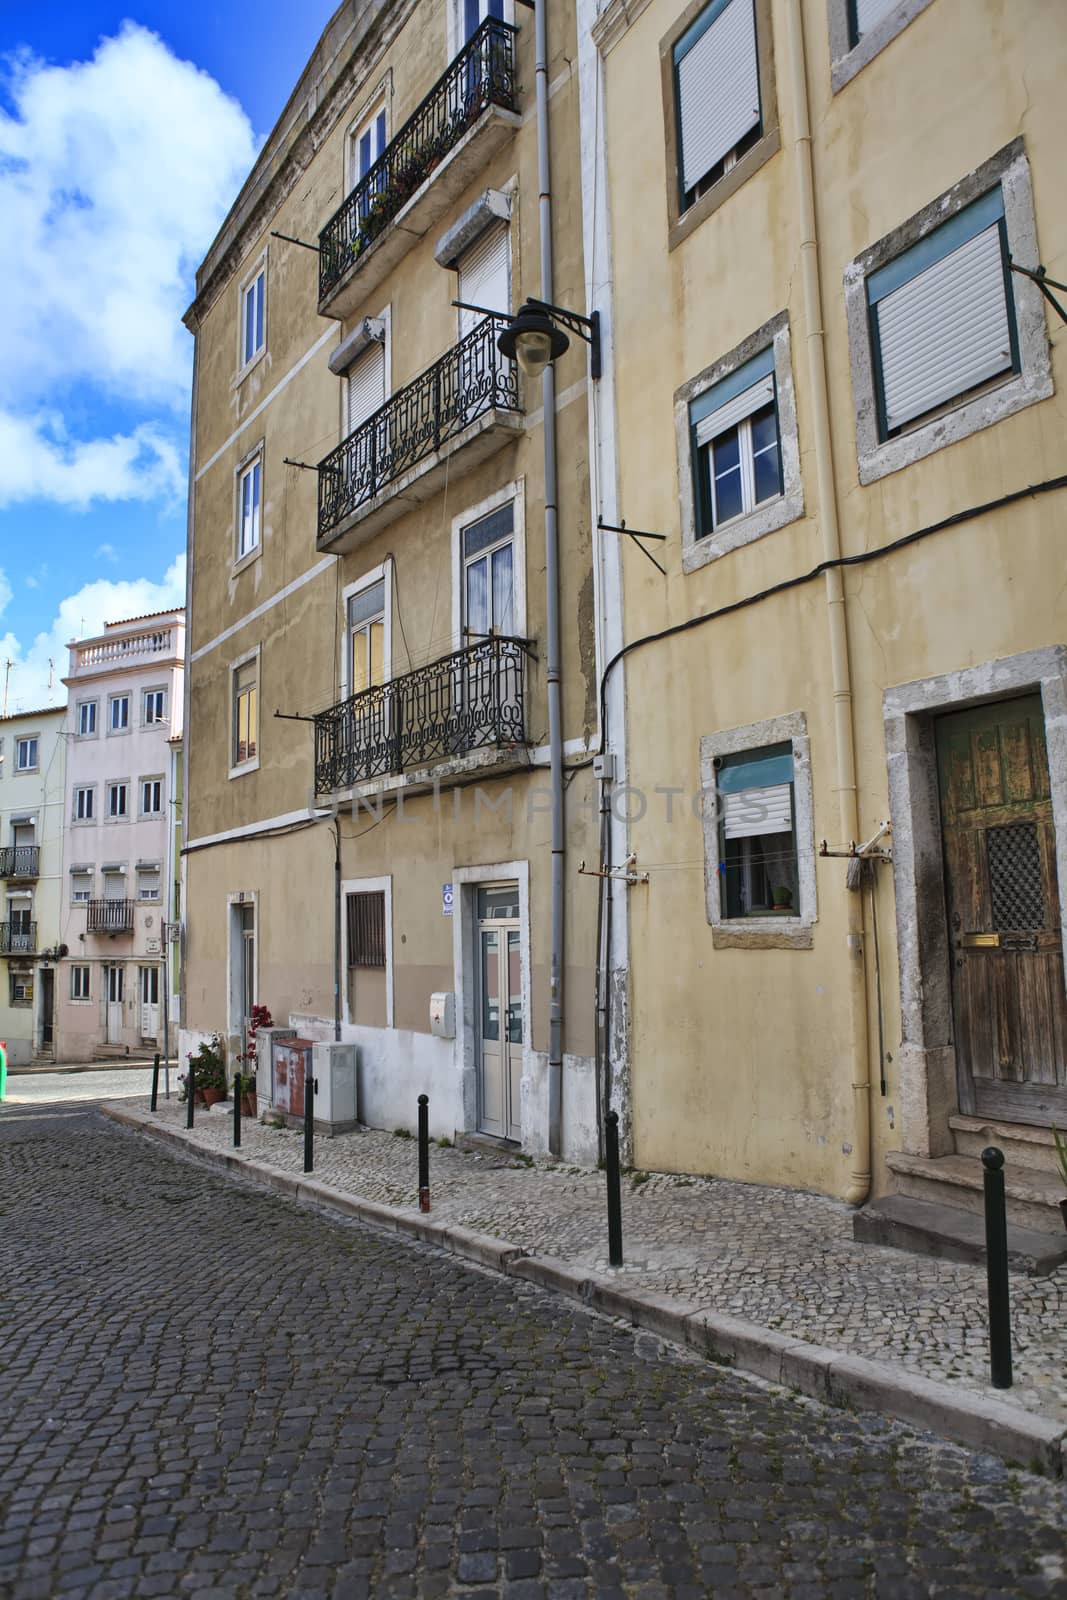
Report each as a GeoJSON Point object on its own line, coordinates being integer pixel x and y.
{"type": "Point", "coordinates": [149, 1003]}
{"type": "Point", "coordinates": [20, 917]}
{"type": "Point", "coordinates": [475, 12]}
{"type": "Point", "coordinates": [367, 724]}
{"type": "Point", "coordinates": [484, 686]}
{"type": "Point", "coordinates": [114, 990]}
{"type": "Point", "coordinates": [501, 1019]}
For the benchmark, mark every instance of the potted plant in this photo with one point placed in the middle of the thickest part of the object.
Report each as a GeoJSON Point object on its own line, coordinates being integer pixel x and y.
{"type": "Point", "coordinates": [260, 1018]}
{"type": "Point", "coordinates": [1061, 1156]}
{"type": "Point", "coordinates": [209, 1068]}
{"type": "Point", "coordinates": [783, 900]}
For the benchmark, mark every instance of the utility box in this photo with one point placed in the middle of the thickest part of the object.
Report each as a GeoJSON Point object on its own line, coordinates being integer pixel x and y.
{"type": "Point", "coordinates": [265, 1040]}
{"type": "Point", "coordinates": [290, 1070]}
{"type": "Point", "coordinates": [334, 1066]}
{"type": "Point", "coordinates": [443, 1015]}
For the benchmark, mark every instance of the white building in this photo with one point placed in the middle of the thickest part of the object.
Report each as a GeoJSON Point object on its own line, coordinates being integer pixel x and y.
{"type": "Point", "coordinates": [124, 709]}
{"type": "Point", "coordinates": [32, 785]}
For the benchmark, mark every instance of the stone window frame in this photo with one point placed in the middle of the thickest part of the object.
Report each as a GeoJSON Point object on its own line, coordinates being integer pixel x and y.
{"type": "Point", "coordinates": [256, 455]}
{"type": "Point", "coordinates": [846, 58]}
{"type": "Point", "coordinates": [238, 769]}
{"type": "Point", "coordinates": [680, 224]}
{"type": "Point", "coordinates": [765, 933]}
{"type": "Point", "coordinates": [877, 457]}
{"type": "Point", "coordinates": [116, 817]}
{"type": "Point", "coordinates": [260, 264]}
{"type": "Point", "coordinates": [79, 707]}
{"type": "Point", "coordinates": [769, 515]}
{"type": "Point", "coordinates": [84, 822]}
{"type": "Point", "coordinates": [86, 998]}
{"type": "Point", "coordinates": [27, 739]}
{"type": "Point", "coordinates": [378, 885]}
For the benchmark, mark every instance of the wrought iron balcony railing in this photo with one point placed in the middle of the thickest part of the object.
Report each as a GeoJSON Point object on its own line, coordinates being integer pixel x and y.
{"type": "Point", "coordinates": [483, 74]}
{"type": "Point", "coordinates": [18, 938]}
{"type": "Point", "coordinates": [469, 380]}
{"type": "Point", "coordinates": [109, 916]}
{"type": "Point", "coordinates": [19, 860]}
{"type": "Point", "coordinates": [474, 699]}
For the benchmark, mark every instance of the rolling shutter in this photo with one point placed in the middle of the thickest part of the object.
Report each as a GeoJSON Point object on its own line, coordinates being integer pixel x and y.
{"type": "Point", "coordinates": [485, 276]}
{"type": "Point", "coordinates": [735, 410]}
{"type": "Point", "coordinates": [868, 12]}
{"type": "Point", "coordinates": [366, 385]}
{"type": "Point", "coordinates": [945, 330]}
{"type": "Point", "coordinates": [757, 811]}
{"type": "Point", "coordinates": [718, 90]}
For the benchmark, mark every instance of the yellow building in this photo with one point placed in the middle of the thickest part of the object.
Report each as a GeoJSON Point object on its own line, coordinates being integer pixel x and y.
{"type": "Point", "coordinates": [372, 660]}
{"type": "Point", "coordinates": [832, 385]}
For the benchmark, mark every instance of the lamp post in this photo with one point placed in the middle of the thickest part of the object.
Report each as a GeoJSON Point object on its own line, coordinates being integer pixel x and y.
{"type": "Point", "coordinates": [534, 336]}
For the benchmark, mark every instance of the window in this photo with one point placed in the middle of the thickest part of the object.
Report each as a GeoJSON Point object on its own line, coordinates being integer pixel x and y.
{"type": "Point", "coordinates": [861, 29]}
{"type": "Point", "coordinates": [864, 14]}
{"type": "Point", "coordinates": [944, 339]}
{"type": "Point", "coordinates": [248, 497]}
{"type": "Point", "coordinates": [84, 804]}
{"type": "Point", "coordinates": [117, 800]}
{"type": "Point", "coordinates": [245, 712]}
{"type": "Point", "coordinates": [366, 929]}
{"type": "Point", "coordinates": [151, 796]}
{"type": "Point", "coordinates": [119, 716]}
{"type": "Point", "coordinates": [475, 12]}
{"type": "Point", "coordinates": [366, 637]}
{"type": "Point", "coordinates": [155, 702]}
{"type": "Point", "coordinates": [148, 883]}
{"type": "Point", "coordinates": [366, 385]}
{"type": "Point", "coordinates": [20, 989]}
{"type": "Point", "coordinates": [943, 317]}
{"type": "Point", "coordinates": [485, 276]}
{"type": "Point", "coordinates": [736, 448]}
{"type": "Point", "coordinates": [114, 883]}
{"type": "Point", "coordinates": [79, 983]}
{"type": "Point", "coordinates": [758, 834]}
{"type": "Point", "coordinates": [86, 719]}
{"type": "Point", "coordinates": [26, 755]}
{"type": "Point", "coordinates": [252, 320]}
{"type": "Point", "coordinates": [489, 576]}
{"type": "Point", "coordinates": [81, 886]}
{"type": "Point", "coordinates": [367, 145]}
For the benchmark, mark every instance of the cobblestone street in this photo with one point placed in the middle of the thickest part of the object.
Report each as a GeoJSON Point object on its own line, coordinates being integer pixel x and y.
{"type": "Point", "coordinates": [209, 1390]}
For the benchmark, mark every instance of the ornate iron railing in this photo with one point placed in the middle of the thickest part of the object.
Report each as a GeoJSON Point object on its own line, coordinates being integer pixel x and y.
{"type": "Point", "coordinates": [482, 75]}
{"type": "Point", "coordinates": [19, 860]}
{"type": "Point", "coordinates": [109, 916]}
{"type": "Point", "coordinates": [18, 938]}
{"type": "Point", "coordinates": [467, 701]}
{"type": "Point", "coordinates": [471, 378]}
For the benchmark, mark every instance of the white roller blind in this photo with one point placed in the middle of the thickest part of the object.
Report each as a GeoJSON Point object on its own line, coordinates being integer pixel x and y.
{"type": "Point", "coordinates": [718, 90]}
{"type": "Point", "coordinates": [945, 330]}
{"type": "Point", "coordinates": [868, 12]}
{"type": "Point", "coordinates": [485, 276]}
{"type": "Point", "coordinates": [755, 811]}
{"type": "Point", "coordinates": [366, 385]}
{"type": "Point", "coordinates": [735, 410]}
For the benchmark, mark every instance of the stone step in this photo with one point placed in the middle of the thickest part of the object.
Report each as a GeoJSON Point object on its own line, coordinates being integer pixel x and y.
{"type": "Point", "coordinates": [1022, 1146]}
{"type": "Point", "coordinates": [1033, 1197]}
{"type": "Point", "coordinates": [949, 1233]}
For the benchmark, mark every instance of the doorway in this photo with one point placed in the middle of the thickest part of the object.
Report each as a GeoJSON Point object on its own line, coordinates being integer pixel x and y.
{"type": "Point", "coordinates": [1003, 907]}
{"type": "Point", "coordinates": [114, 990]}
{"type": "Point", "coordinates": [150, 1004]}
{"type": "Point", "coordinates": [501, 1023]}
{"type": "Point", "coordinates": [46, 1010]}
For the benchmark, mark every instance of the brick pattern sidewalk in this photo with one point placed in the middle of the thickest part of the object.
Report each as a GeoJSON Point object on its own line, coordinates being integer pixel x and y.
{"type": "Point", "coordinates": [775, 1257]}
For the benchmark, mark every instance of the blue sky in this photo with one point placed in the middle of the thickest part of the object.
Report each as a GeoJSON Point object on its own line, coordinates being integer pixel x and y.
{"type": "Point", "coordinates": [125, 133]}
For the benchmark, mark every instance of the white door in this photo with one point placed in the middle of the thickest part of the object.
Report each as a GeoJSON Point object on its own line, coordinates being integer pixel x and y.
{"type": "Point", "coordinates": [115, 990]}
{"type": "Point", "coordinates": [501, 1022]}
{"type": "Point", "coordinates": [150, 1003]}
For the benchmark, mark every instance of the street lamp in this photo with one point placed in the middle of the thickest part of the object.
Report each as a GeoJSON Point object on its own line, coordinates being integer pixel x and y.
{"type": "Point", "coordinates": [533, 337]}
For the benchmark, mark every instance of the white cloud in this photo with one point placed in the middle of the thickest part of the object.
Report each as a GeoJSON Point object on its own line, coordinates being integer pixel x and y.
{"type": "Point", "coordinates": [114, 176]}
{"type": "Point", "coordinates": [106, 552]}
{"type": "Point", "coordinates": [81, 615]}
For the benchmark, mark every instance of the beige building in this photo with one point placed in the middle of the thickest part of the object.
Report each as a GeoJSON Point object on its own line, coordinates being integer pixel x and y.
{"type": "Point", "coordinates": [371, 654]}
{"type": "Point", "coordinates": [831, 386]}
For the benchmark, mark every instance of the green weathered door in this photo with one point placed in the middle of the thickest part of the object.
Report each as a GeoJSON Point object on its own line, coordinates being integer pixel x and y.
{"type": "Point", "coordinates": [1004, 913]}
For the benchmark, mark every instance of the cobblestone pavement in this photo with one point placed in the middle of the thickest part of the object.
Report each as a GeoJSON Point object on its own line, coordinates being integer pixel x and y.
{"type": "Point", "coordinates": [212, 1391]}
{"type": "Point", "coordinates": [775, 1257]}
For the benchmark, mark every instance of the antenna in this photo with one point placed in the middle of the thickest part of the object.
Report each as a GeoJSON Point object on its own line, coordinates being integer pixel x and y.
{"type": "Point", "coordinates": [7, 680]}
{"type": "Point", "coordinates": [51, 673]}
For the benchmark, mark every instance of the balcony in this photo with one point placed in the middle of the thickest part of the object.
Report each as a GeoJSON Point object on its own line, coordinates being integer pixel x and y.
{"type": "Point", "coordinates": [109, 916]}
{"type": "Point", "coordinates": [18, 938]}
{"type": "Point", "coordinates": [468, 400]}
{"type": "Point", "coordinates": [19, 860]}
{"type": "Point", "coordinates": [465, 118]}
{"type": "Point", "coordinates": [473, 700]}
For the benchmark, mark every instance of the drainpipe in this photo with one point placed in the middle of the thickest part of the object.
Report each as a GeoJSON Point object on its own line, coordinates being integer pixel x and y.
{"type": "Point", "coordinates": [844, 736]}
{"type": "Point", "coordinates": [552, 650]}
{"type": "Point", "coordinates": [337, 929]}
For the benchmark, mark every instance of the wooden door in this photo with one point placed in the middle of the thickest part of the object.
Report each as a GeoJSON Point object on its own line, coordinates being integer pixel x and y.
{"type": "Point", "coordinates": [1004, 913]}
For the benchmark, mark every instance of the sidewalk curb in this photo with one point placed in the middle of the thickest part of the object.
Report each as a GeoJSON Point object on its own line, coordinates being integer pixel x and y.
{"type": "Point", "coordinates": [978, 1421]}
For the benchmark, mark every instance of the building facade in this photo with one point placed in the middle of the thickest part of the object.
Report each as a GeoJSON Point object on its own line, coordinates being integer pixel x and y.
{"type": "Point", "coordinates": [123, 724]}
{"type": "Point", "coordinates": [382, 610]}
{"type": "Point", "coordinates": [834, 383]}
{"type": "Point", "coordinates": [32, 787]}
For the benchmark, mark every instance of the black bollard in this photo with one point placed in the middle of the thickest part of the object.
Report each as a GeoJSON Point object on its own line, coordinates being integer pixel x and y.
{"type": "Point", "coordinates": [611, 1153]}
{"type": "Point", "coordinates": [190, 1091]}
{"type": "Point", "coordinates": [309, 1123]}
{"type": "Point", "coordinates": [996, 1260]}
{"type": "Point", "coordinates": [424, 1152]}
{"type": "Point", "coordinates": [155, 1080]}
{"type": "Point", "coordinates": [237, 1110]}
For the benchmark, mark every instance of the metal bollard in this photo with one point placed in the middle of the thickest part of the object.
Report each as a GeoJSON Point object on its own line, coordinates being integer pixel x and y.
{"type": "Point", "coordinates": [611, 1153]}
{"type": "Point", "coordinates": [309, 1123]}
{"type": "Point", "coordinates": [155, 1080]}
{"type": "Point", "coordinates": [190, 1090]}
{"type": "Point", "coordinates": [237, 1110]}
{"type": "Point", "coordinates": [424, 1152]}
{"type": "Point", "coordinates": [996, 1259]}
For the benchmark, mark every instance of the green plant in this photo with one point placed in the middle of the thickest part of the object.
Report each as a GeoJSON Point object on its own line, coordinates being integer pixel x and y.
{"type": "Point", "coordinates": [444, 1144]}
{"type": "Point", "coordinates": [209, 1064]}
{"type": "Point", "coordinates": [1061, 1152]}
{"type": "Point", "coordinates": [783, 897]}
{"type": "Point", "coordinates": [401, 1133]}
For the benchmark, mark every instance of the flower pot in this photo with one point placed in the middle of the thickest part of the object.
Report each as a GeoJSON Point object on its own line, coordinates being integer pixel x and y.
{"type": "Point", "coordinates": [198, 1098]}
{"type": "Point", "coordinates": [249, 1105]}
{"type": "Point", "coordinates": [211, 1097]}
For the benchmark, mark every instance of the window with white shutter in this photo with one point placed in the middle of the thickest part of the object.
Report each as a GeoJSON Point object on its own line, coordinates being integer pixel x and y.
{"type": "Point", "coordinates": [485, 276]}
{"type": "Point", "coordinates": [758, 850]}
{"type": "Point", "coordinates": [717, 94]}
{"type": "Point", "coordinates": [736, 444]}
{"type": "Point", "coordinates": [863, 14]}
{"type": "Point", "coordinates": [942, 316]}
{"type": "Point", "coordinates": [366, 385]}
